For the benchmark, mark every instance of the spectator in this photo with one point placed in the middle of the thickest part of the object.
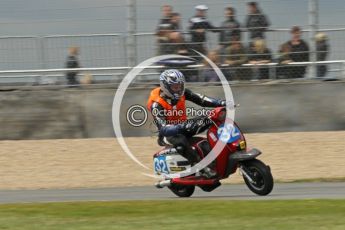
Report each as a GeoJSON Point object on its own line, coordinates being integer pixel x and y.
{"type": "Point", "coordinates": [230, 29]}
{"type": "Point", "coordinates": [322, 49]}
{"type": "Point", "coordinates": [256, 22]}
{"type": "Point", "coordinates": [164, 29]}
{"type": "Point", "coordinates": [284, 54]}
{"type": "Point", "coordinates": [198, 27]}
{"type": "Point", "coordinates": [284, 59]}
{"type": "Point", "coordinates": [169, 32]}
{"type": "Point", "coordinates": [208, 74]}
{"type": "Point", "coordinates": [235, 57]}
{"type": "Point", "coordinates": [176, 39]}
{"type": "Point", "coordinates": [72, 62]}
{"type": "Point", "coordinates": [176, 22]}
{"type": "Point", "coordinates": [299, 52]}
{"type": "Point", "coordinates": [176, 44]}
{"type": "Point", "coordinates": [260, 54]}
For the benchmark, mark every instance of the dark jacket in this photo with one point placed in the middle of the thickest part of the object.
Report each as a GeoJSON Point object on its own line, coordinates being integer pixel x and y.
{"type": "Point", "coordinates": [164, 24]}
{"type": "Point", "coordinates": [200, 23]}
{"type": "Point", "coordinates": [230, 30]}
{"type": "Point", "coordinates": [72, 62]}
{"type": "Point", "coordinates": [300, 52]}
{"type": "Point", "coordinates": [322, 50]}
{"type": "Point", "coordinates": [257, 25]}
{"type": "Point", "coordinates": [238, 56]}
{"type": "Point", "coordinates": [172, 130]}
{"type": "Point", "coordinates": [283, 56]}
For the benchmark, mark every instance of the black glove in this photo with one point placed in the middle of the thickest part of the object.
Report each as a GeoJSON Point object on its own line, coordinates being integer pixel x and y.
{"type": "Point", "coordinates": [223, 103]}
{"type": "Point", "coordinates": [228, 104]}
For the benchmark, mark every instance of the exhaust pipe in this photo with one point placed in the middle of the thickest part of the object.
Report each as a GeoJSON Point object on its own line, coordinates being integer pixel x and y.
{"type": "Point", "coordinates": [162, 184]}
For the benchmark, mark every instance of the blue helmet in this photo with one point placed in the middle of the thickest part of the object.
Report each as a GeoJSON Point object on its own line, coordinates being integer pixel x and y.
{"type": "Point", "coordinates": [172, 83]}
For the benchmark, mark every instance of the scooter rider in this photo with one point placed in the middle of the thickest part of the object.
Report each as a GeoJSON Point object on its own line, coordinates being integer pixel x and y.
{"type": "Point", "coordinates": [167, 105]}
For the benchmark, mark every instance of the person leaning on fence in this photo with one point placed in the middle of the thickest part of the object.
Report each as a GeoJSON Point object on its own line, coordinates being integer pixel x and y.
{"type": "Point", "coordinates": [284, 58]}
{"type": "Point", "coordinates": [176, 39]}
{"type": "Point", "coordinates": [208, 74]}
{"type": "Point", "coordinates": [235, 57]}
{"type": "Point", "coordinates": [198, 27]}
{"type": "Point", "coordinates": [229, 31]}
{"type": "Point", "coordinates": [322, 49]}
{"type": "Point", "coordinates": [164, 29]}
{"type": "Point", "coordinates": [299, 52]}
{"type": "Point", "coordinates": [256, 22]}
{"type": "Point", "coordinates": [177, 44]}
{"type": "Point", "coordinates": [260, 54]}
{"type": "Point", "coordinates": [72, 62]}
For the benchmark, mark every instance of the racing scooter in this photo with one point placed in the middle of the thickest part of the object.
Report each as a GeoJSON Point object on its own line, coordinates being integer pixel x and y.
{"type": "Point", "coordinates": [234, 156]}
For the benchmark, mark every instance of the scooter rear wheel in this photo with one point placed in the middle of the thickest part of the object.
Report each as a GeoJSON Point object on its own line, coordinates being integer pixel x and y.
{"type": "Point", "coordinates": [182, 190]}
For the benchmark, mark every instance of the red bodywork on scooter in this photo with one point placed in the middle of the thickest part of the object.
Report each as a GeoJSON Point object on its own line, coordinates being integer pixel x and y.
{"type": "Point", "coordinates": [221, 164]}
{"type": "Point", "coordinates": [234, 155]}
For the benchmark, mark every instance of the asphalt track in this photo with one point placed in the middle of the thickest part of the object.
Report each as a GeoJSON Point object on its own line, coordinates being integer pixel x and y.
{"type": "Point", "coordinates": [229, 192]}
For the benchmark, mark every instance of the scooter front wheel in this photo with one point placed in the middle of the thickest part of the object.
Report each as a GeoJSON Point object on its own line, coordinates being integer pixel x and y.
{"type": "Point", "coordinates": [261, 180]}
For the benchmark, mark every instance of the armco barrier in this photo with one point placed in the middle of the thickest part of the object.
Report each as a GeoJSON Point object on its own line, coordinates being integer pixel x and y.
{"type": "Point", "coordinates": [49, 113]}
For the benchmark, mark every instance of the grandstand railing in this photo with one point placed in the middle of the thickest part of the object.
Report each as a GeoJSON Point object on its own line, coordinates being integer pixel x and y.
{"type": "Point", "coordinates": [116, 74]}
{"type": "Point", "coordinates": [21, 56]}
{"type": "Point", "coordinates": [101, 50]}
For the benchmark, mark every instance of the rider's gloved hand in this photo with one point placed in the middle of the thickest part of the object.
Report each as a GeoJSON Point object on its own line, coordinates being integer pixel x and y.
{"type": "Point", "coordinates": [228, 104]}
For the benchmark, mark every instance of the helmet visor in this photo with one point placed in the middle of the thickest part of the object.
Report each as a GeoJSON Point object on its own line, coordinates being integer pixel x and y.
{"type": "Point", "coordinates": [177, 89]}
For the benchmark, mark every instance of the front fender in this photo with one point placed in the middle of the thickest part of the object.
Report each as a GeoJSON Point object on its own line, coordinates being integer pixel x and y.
{"type": "Point", "coordinates": [238, 157]}
{"type": "Point", "coordinates": [245, 155]}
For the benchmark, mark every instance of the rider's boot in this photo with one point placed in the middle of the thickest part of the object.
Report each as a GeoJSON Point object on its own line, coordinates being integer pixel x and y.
{"type": "Point", "coordinates": [208, 172]}
{"type": "Point", "coordinates": [194, 158]}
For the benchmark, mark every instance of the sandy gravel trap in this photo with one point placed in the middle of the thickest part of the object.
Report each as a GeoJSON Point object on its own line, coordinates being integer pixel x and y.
{"type": "Point", "coordinates": [102, 163]}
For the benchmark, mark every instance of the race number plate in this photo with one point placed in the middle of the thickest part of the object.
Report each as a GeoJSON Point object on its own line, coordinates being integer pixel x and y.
{"type": "Point", "coordinates": [160, 165]}
{"type": "Point", "coordinates": [228, 133]}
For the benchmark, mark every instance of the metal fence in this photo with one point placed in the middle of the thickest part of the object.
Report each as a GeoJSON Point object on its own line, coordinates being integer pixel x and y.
{"type": "Point", "coordinates": [140, 16]}
{"type": "Point", "coordinates": [49, 52]}
{"type": "Point", "coordinates": [105, 50]}
{"type": "Point", "coordinates": [20, 53]}
{"type": "Point", "coordinates": [109, 50]}
{"type": "Point", "coordinates": [99, 50]}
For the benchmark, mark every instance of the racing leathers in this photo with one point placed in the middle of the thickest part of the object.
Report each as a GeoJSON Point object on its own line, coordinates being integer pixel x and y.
{"type": "Point", "coordinates": [170, 118]}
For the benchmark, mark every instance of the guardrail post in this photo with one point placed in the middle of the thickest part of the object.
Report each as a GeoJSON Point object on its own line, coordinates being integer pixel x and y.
{"type": "Point", "coordinates": [313, 23]}
{"type": "Point", "coordinates": [131, 39]}
{"type": "Point", "coordinates": [41, 56]}
{"type": "Point", "coordinates": [272, 71]}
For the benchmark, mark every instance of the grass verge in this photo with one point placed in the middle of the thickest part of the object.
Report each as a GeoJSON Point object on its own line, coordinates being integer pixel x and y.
{"type": "Point", "coordinates": [175, 215]}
